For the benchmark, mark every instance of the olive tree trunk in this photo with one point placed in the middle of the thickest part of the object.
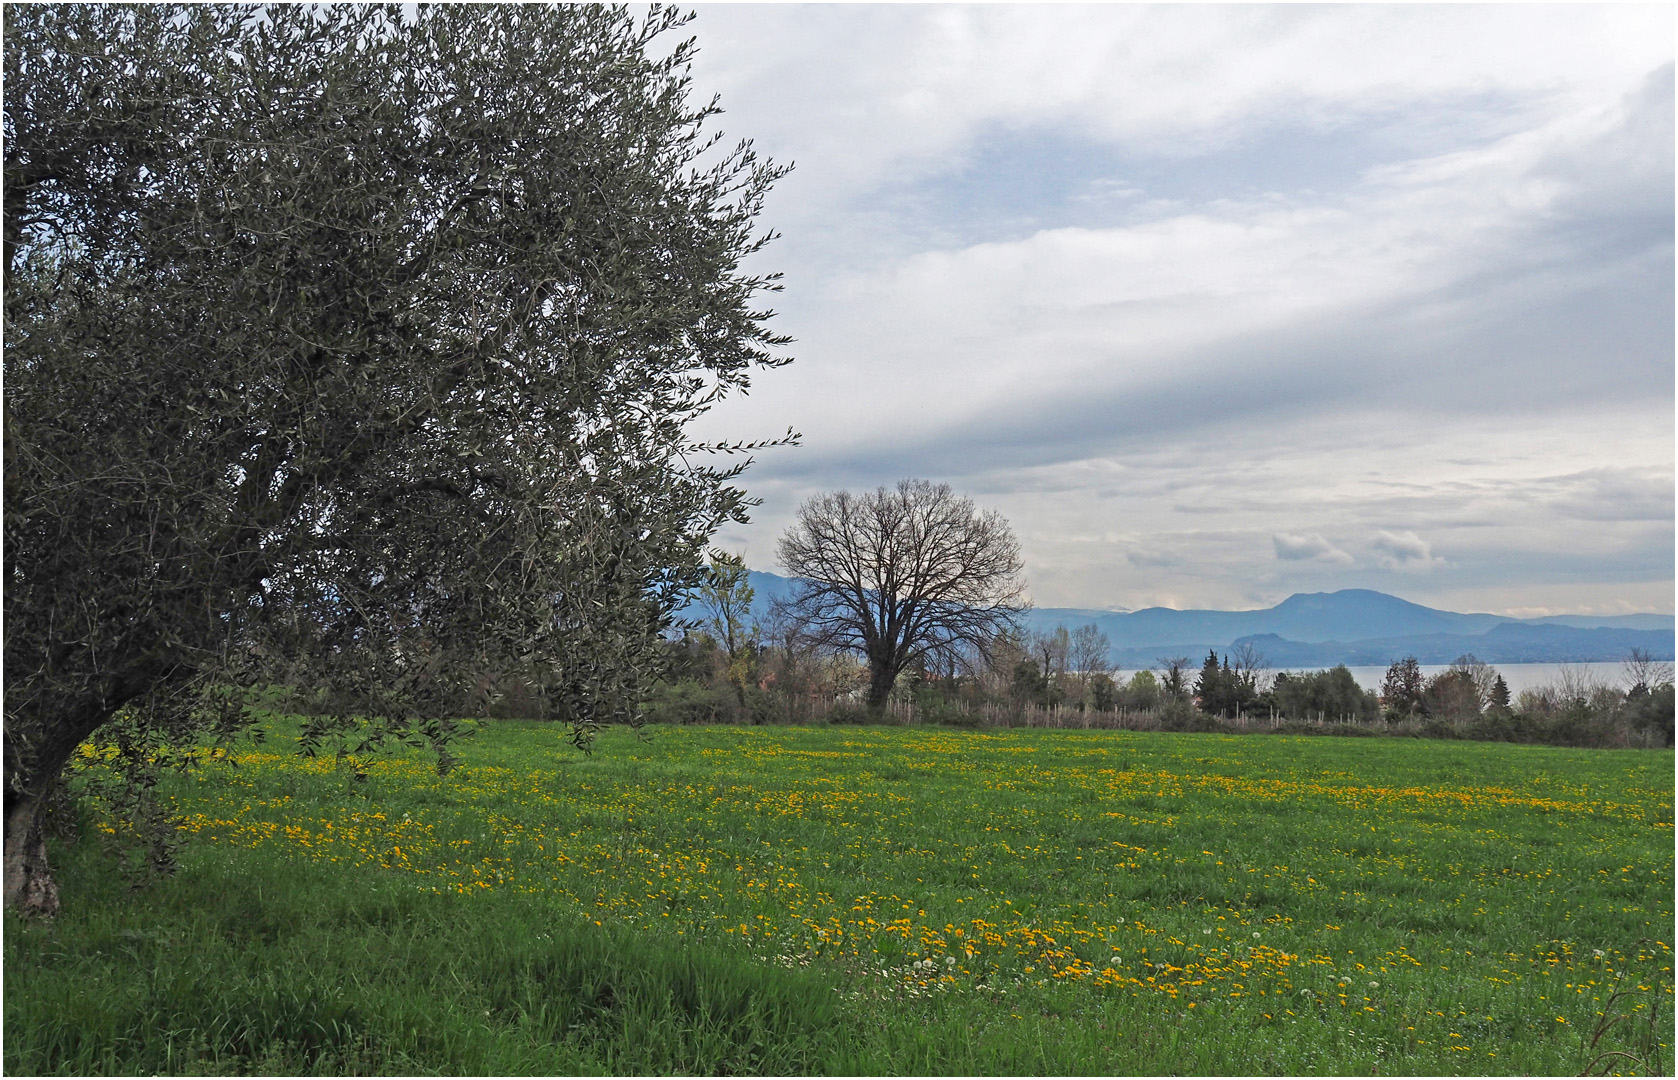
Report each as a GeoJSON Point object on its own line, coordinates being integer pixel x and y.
{"type": "Point", "coordinates": [31, 774]}
{"type": "Point", "coordinates": [30, 887]}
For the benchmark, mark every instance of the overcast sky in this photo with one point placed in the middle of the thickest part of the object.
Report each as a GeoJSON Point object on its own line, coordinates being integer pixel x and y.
{"type": "Point", "coordinates": [1221, 304]}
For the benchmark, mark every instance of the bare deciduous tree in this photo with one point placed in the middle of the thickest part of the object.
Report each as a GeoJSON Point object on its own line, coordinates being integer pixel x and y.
{"type": "Point", "coordinates": [901, 574]}
{"type": "Point", "coordinates": [1478, 674]}
{"type": "Point", "coordinates": [1251, 667]}
{"type": "Point", "coordinates": [1643, 673]}
{"type": "Point", "coordinates": [1051, 650]}
{"type": "Point", "coordinates": [1089, 653]}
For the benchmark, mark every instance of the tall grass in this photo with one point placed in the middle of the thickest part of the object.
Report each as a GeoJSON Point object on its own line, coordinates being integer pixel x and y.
{"type": "Point", "coordinates": [247, 964]}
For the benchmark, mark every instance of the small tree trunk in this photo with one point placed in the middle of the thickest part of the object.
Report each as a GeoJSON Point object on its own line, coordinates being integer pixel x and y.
{"type": "Point", "coordinates": [29, 886]}
{"type": "Point", "coordinates": [740, 695]}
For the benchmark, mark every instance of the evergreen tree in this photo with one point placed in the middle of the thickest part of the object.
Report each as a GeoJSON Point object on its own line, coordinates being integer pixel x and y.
{"type": "Point", "coordinates": [1172, 681]}
{"type": "Point", "coordinates": [1210, 686]}
{"type": "Point", "coordinates": [1029, 685]}
{"type": "Point", "coordinates": [1403, 688]}
{"type": "Point", "coordinates": [1500, 694]}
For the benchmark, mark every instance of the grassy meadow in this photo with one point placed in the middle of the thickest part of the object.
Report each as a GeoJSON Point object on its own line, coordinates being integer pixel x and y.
{"type": "Point", "coordinates": [875, 900]}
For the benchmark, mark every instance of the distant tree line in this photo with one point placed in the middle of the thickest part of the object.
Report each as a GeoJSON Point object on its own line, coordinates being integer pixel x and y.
{"type": "Point", "coordinates": [1063, 678]}
{"type": "Point", "coordinates": [907, 609]}
{"type": "Point", "coordinates": [907, 606]}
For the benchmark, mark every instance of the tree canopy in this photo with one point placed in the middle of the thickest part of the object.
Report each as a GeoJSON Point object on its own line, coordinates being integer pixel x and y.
{"type": "Point", "coordinates": [354, 344]}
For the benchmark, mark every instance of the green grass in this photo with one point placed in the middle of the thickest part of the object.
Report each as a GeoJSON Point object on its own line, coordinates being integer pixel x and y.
{"type": "Point", "coordinates": [867, 900]}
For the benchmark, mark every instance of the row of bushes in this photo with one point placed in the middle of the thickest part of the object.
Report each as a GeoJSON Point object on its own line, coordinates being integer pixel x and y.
{"type": "Point", "coordinates": [1642, 721]}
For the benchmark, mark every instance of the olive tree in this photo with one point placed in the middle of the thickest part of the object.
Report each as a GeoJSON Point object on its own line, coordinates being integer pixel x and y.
{"type": "Point", "coordinates": [898, 575]}
{"type": "Point", "coordinates": [353, 345]}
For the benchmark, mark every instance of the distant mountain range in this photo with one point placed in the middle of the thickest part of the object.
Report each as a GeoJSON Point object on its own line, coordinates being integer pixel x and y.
{"type": "Point", "coordinates": [1358, 627]}
{"type": "Point", "coordinates": [1364, 627]}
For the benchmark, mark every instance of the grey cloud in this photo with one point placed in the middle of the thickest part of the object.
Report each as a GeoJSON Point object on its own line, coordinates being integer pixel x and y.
{"type": "Point", "coordinates": [1644, 555]}
{"type": "Point", "coordinates": [1576, 309]}
{"type": "Point", "coordinates": [1626, 172]}
{"type": "Point", "coordinates": [1620, 494]}
{"type": "Point", "coordinates": [1561, 345]}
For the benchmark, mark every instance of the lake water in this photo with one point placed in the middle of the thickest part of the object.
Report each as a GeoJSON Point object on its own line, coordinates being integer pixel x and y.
{"type": "Point", "coordinates": [1518, 676]}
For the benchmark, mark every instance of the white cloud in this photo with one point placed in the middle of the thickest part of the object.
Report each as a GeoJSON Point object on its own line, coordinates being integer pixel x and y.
{"type": "Point", "coordinates": [1404, 551]}
{"type": "Point", "coordinates": [859, 92]}
{"type": "Point", "coordinates": [964, 336]}
{"type": "Point", "coordinates": [1312, 546]}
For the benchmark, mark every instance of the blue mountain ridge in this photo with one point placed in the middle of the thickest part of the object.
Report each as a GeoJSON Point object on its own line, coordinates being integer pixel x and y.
{"type": "Point", "coordinates": [1350, 626]}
